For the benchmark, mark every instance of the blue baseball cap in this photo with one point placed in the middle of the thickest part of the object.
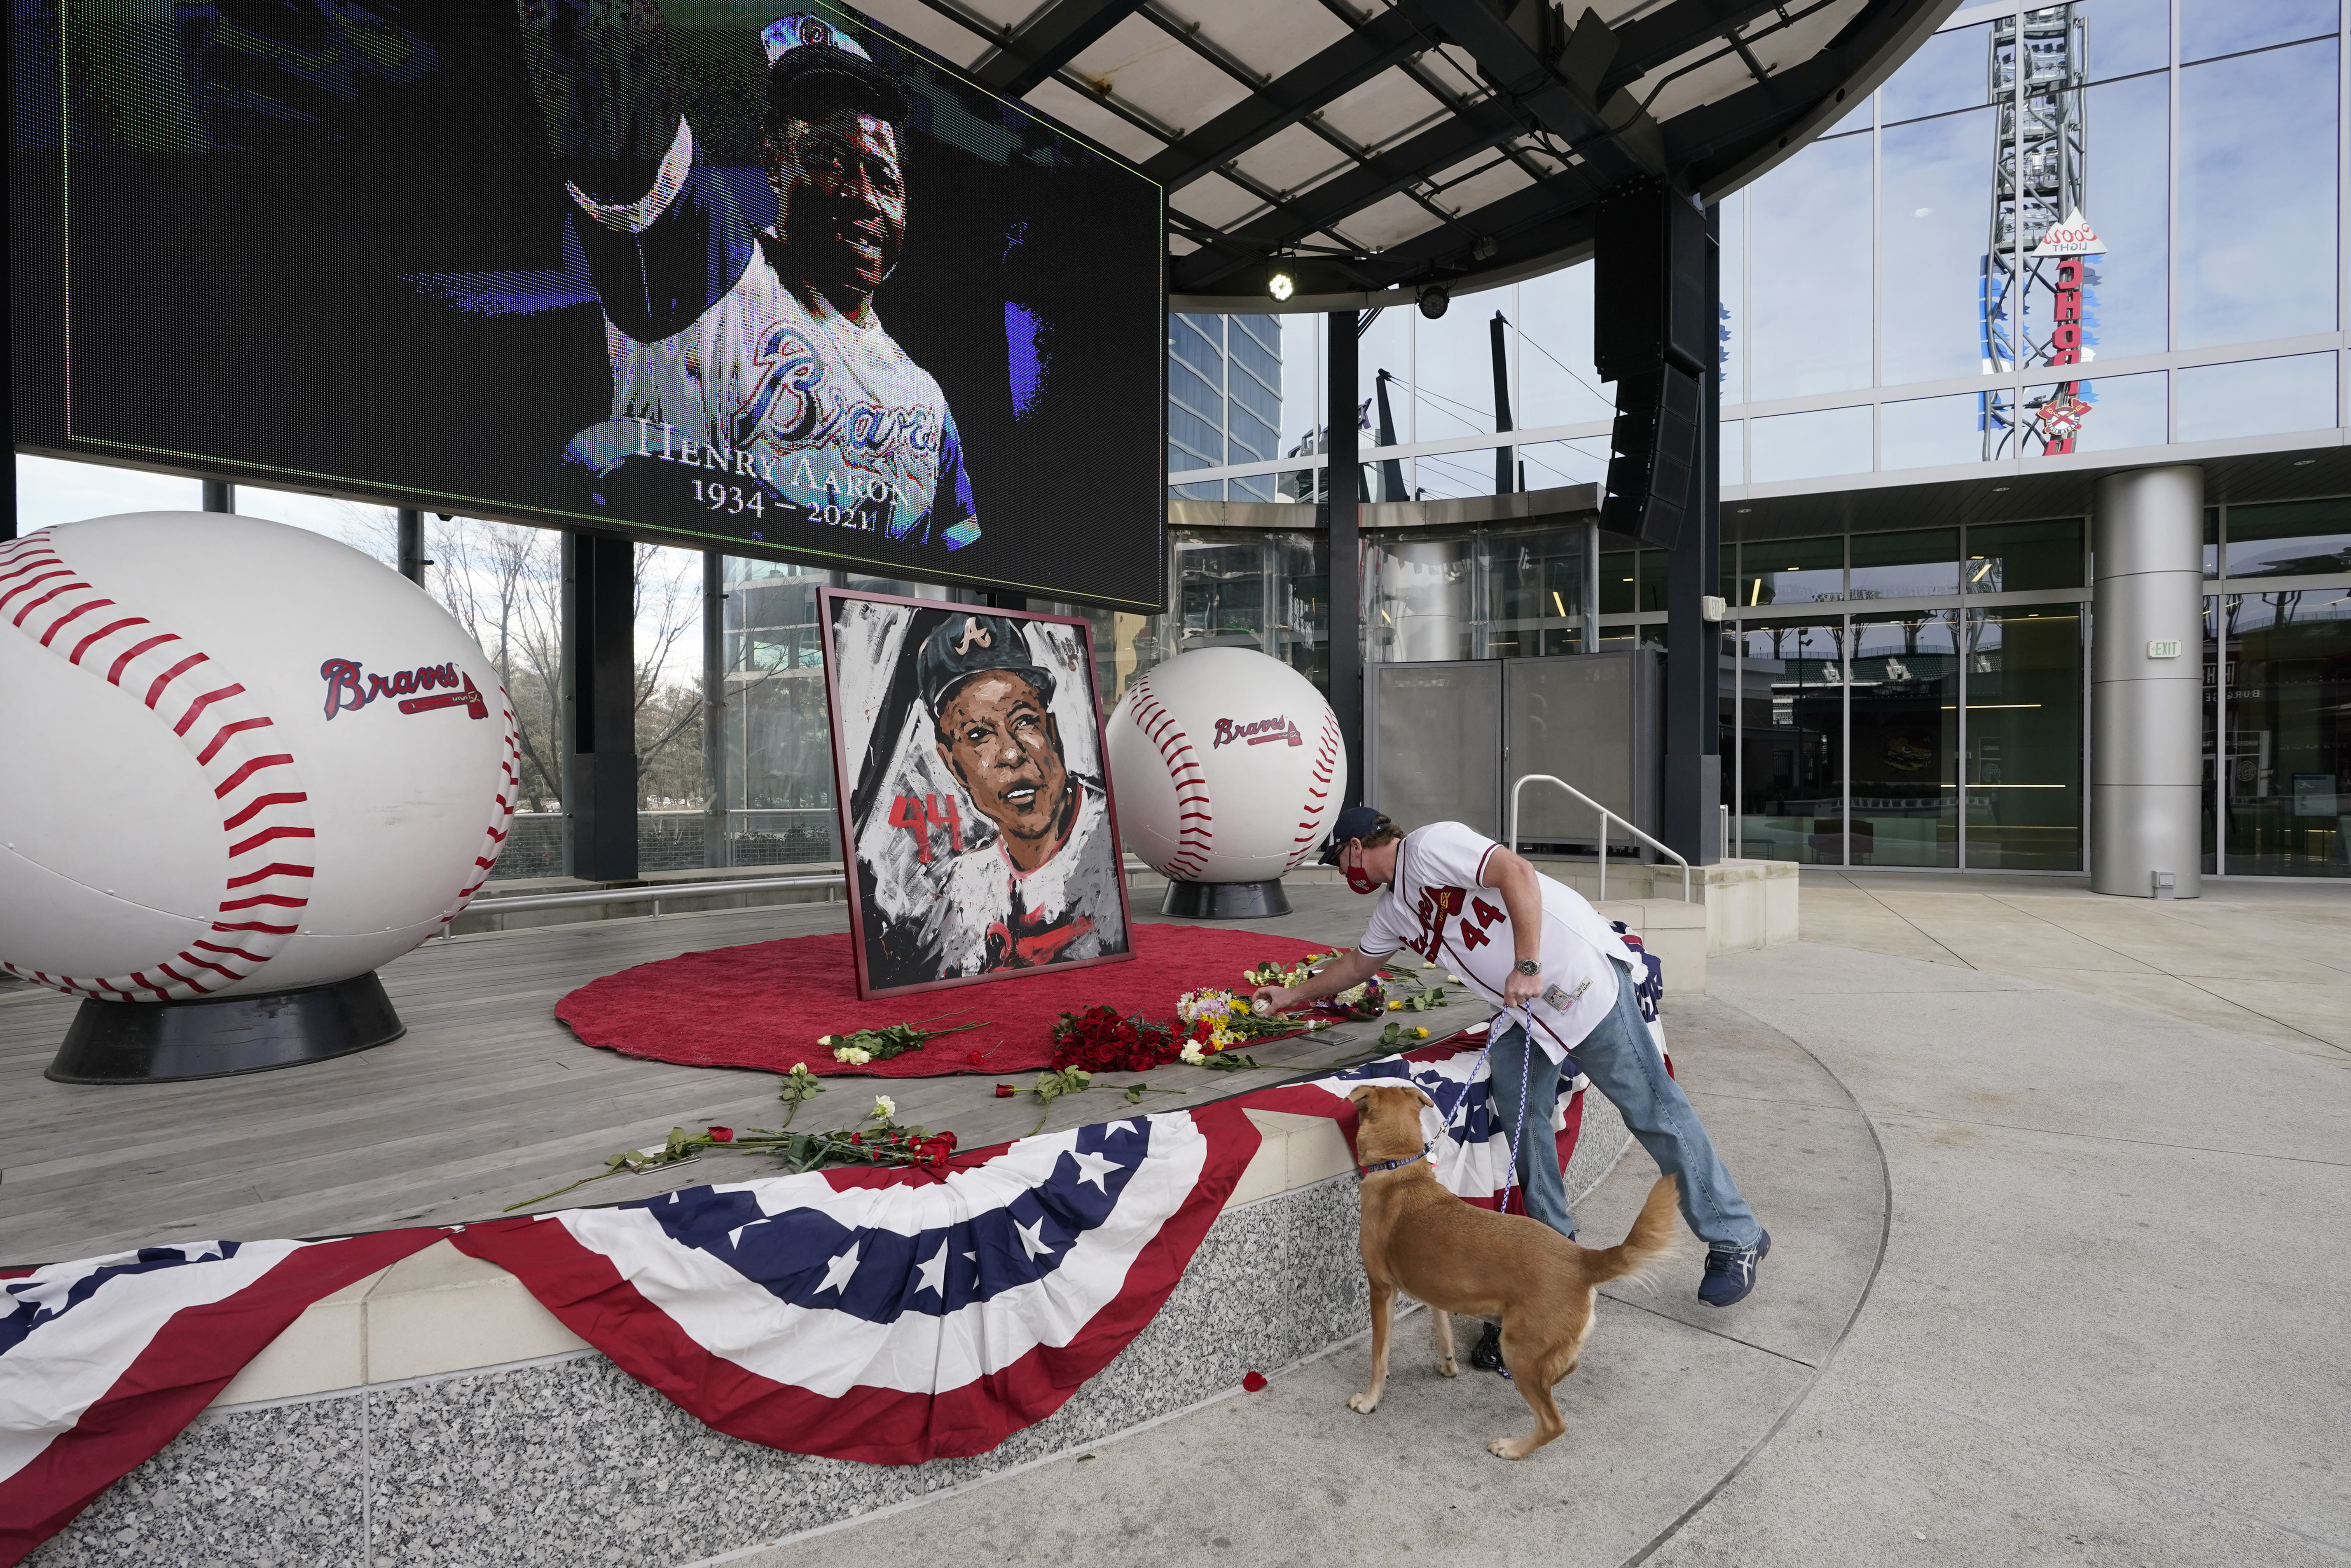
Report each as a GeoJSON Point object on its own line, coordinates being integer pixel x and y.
{"type": "Point", "coordinates": [1354, 822]}
{"type": "Point", "coordinates": [810, 55]}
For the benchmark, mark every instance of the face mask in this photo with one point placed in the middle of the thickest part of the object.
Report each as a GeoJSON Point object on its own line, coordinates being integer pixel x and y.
{"type": "Point", "coordinates": [1360, 881]}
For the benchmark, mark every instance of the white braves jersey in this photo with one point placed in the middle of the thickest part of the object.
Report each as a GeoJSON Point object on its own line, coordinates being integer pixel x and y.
{"type": "Point", "coordinates": [992, 916]}
{"type": "Point", "coordinates": [1440, 907]}
{"type": "Point", "coordinates": [767, 390]}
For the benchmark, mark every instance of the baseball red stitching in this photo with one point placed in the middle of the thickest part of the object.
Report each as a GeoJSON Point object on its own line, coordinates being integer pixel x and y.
{"type": "Point", "coordinates": [1326, 758]}
{"type": "Point", "coordinates": [220, 726]}
{"type": "Point", "coordinates": [502, 799]}
{"type": "Point", "coordinates": [1193, 810]}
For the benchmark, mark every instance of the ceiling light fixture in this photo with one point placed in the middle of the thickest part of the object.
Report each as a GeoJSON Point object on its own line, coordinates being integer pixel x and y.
{"type": "Point", "coordinates": [1282, 286]}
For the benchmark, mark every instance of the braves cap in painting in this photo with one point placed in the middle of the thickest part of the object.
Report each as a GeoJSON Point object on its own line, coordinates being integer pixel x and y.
{"type": "Point", "coordinates": [963, 646]}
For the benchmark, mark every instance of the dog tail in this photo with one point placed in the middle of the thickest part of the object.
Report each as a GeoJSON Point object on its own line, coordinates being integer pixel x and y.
{"type": "Point", "coordinates": [1650, 1240]}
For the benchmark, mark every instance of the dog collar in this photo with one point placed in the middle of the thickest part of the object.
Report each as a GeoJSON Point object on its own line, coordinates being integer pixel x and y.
{"type": "Point", "coordinates": [1385, 1166]}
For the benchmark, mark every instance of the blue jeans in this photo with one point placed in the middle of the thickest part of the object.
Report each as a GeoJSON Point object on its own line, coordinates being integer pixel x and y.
{"type": "Point", "coordinates": [1622, 1061]}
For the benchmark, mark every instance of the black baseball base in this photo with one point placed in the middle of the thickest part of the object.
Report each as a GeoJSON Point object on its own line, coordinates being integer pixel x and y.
{"type": "Point", "coordinates": [1225, 900]}
{"type": "Point", "coordinates": [164, 1042]}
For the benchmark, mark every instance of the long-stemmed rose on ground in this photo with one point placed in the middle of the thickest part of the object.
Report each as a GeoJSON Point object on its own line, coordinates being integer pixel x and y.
{"type": "Point", "coordinates": [862, 1046]}
{"type": "Point", "coordinates": [879, 1140]}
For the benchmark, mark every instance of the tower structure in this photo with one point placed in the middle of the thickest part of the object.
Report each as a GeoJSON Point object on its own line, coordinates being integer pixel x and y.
{"type": "Point", "coordinates": [2033, 305]}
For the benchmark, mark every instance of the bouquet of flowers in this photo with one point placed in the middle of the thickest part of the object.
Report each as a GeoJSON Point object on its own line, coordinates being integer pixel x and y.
{"type": "Point", "coordinates": [1367, 1000]}
{"type": "Point", "coordinates": [1215, 1021]}
{"type": "Point", "coordinates": [1098, 1040]}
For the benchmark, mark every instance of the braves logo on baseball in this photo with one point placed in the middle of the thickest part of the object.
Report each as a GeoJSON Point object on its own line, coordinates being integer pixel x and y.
{"type": "Point", "coordinates": [349, 687]}
{"type": "Point", "coordinates": [1263, 732]}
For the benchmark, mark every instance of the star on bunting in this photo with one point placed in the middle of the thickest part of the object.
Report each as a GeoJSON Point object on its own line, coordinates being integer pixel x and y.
{"type": "Point", "coordinates": [934, 1271]}
{"type": "Point", "coordinates": [1092, 1168]}
{"type": "Point", "coordinates": [837, 1271]}
{"type": "Point", "coordinates": [1032, 1238]}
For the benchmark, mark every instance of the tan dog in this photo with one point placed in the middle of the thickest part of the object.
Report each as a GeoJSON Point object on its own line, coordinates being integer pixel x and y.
{"type": "Point", "coordinates": [1458, 1258]}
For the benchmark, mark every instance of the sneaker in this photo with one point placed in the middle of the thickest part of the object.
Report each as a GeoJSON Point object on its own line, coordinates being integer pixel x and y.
{"type": "Point", "coordinates": [1487, 1356]}
{"type": "Point", "coordinates": [1730, 1275]}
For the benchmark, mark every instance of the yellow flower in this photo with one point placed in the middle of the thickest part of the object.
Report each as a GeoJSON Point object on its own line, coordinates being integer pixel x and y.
{"type": "Point", "coordinates": [1420, 1034]}
{"type": "Point", "coordinates": [1240, 1006]}
{"type": "Point", "coordinates": [1395, 1007]}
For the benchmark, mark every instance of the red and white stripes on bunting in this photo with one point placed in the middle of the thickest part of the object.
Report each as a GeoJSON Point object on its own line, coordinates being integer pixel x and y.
{"type": "Point", "coordinates": [245, 758]}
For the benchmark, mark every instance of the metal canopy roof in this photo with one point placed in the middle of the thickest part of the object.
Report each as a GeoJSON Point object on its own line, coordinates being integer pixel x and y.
{"type": "Point", "coordinates": [1362, 146]}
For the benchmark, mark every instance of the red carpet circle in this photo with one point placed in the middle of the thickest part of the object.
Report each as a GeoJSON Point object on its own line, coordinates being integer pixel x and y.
{"type": "Point", "coordinates": [764, 1004]}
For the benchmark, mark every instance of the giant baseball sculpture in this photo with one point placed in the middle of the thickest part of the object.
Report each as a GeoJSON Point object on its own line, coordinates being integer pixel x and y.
{"type": "Point", "coordinates": [243, 761]}
{"type": "Point", "coordinates": [1228, 765]}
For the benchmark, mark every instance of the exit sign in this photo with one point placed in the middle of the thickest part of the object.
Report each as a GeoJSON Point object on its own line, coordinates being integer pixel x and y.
{"type": "Point", "coordinates": [2163, 648]}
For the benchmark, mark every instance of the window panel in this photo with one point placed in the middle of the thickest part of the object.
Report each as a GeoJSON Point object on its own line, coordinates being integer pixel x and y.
{"type": "Point", "coordinates": [2288, 779]}
{"type": "Point", "coordinates": [1537, 592]}
{"type": "Point", "coordinates": [1792, 571]}
{"type": "Point", "coordinates": [1193, 340]}
{"type": "Point", "coordinates": [1949, 71]}
{"type": "Point", "coordinates": [1930, 431]}
{"type": "Point", "coordinates": [1454, 473]}
{"type": "Point", "coordinates": [2008, 557]}
{"type": "Point", "coordinates": [1558, 382]}
{"type": "Point", "coordinates": [1387, 345]}
{"type": "Point", "coordinates": [2257, 397]}
{"type": "Point", "coordinates": [1191, 390]}
{"type": "Point", "coordinates": [1903, 729]}
{"type": "Point", "coordinates": [2129, 201]}
{"type": "Point", "coordinates": [1790, 764]}
{"type": "Point", "coordinates": [1454, 366]}
{"type": "Point", "coordinates": [1734, 452]}
{"type": "Point", "coordinates": [2257, 212]}
{"type": "Point", "coordinates": [2296, 539]}
{"type": "Point", "coordinates": [1809, 446]}
{"type": "Point", "coordinates": [2209, 27]}
{"type": "Point", "coordinates": [2023, 763]}
{"type": "Point", "coordinates": [1617, 583]}
{"type": "Point", "coordinates": [1810, 274]}
{"type": "Point", "coordinates": [1301, 385]}
{"type": "Point", "coordinates": [1419, 583]}
{"type": "Point", "coordinates": [1732, 328]}
{"type": "Point", "coordinates": [1547, 465]}
{"type": "Point", "coordinates": [1247, 440]}
{"type": "Point", "coordinates": [1937, 178]}
{"type": "Point", "coordinates": [2127, 36]}
{"type": "Point", "coordinates": [1907, 565]}
{"type": "Point", "coordinates": [2125, 410]}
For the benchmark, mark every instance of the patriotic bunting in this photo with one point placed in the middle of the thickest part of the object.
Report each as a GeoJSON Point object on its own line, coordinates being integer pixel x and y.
{"type": "Point", "coordinates": [886, 1315]}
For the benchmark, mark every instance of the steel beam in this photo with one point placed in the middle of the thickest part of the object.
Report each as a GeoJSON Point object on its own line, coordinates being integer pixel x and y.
{"type": "Point", "coordinates": [1049, 42]}
{"type": "Point", "coordinates": [1391, 36]}
{"type": "Point", "coordinates": [1615, 136]}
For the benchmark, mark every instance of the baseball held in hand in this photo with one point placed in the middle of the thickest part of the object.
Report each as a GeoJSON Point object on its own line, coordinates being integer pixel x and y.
{"type": "Point", "coordinates": [242, 758]}
{"type": "Point", "coordinates": [1228, 765]}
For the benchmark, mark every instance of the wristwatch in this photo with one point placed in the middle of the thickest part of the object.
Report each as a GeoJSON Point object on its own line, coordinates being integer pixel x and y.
{"type": "Point", "coordinates": [1530, 966]}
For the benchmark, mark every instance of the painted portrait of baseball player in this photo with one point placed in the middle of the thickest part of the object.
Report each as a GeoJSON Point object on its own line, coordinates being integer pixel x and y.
{"type": "Point", "coordinates": [750, 366]}
{"type": "Point", "coordinates": [969, 748]}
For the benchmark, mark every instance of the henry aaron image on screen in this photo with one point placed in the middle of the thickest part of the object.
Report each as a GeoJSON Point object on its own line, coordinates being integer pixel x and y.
{"type": "Point", "coordinates": [1045, 889]}
{"type": "Point", "coordinates": [751, 372]}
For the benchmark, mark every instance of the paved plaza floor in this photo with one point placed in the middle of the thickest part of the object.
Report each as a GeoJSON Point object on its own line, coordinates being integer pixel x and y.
{"type": "Point", "coordinates": [2054, 1281]}
{"type": "Point", "coordinates": [2269, 959]}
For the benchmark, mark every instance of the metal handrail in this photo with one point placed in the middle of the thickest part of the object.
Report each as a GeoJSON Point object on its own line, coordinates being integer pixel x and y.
{"type": "Point", "coordinates": [656, 893]}
{"type": "Point", "coordinates": [1607, 817]}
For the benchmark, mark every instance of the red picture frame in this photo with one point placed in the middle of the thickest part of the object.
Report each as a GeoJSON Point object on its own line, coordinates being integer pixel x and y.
{"type": "Point", "coordinates": [895, 700]}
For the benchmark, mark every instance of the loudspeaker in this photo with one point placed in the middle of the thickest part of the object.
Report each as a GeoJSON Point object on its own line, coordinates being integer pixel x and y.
{"type": "Point", "coordinates": [1654, 447]}
{"type": "Point", "coordinates": [1649, 294]}
{"type": "Point", "coordinates": [1653, 334]}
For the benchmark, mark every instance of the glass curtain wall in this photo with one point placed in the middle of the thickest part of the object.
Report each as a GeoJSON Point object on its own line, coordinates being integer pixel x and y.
{"type": "Point", "coordinates": [1923, 730]}
{"type": "Point", "coordinates": [2278, 689]}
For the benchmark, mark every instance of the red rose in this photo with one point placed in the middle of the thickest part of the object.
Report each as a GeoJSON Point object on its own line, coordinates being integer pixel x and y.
{"type": "Point", "coordinates": [1253, 1381]}
{"type": "Point", "coordinates": [721, 1134]}
{"type": "Point", "coordinates": [1004, 1092]}
{"type": "Point", "coordinates": [856, 1137]}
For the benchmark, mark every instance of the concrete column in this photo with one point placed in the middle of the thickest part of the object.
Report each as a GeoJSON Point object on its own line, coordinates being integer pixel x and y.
{"type": "Point", "coordinates": [2146, 742]}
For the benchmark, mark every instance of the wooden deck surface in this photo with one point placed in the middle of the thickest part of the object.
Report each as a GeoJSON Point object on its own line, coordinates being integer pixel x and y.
{"type": "Point", "coordinates": [487, 1099]}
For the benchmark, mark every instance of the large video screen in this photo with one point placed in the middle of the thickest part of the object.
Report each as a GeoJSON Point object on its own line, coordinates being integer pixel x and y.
{"type": "Point", "coordinates": [704, 272]}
